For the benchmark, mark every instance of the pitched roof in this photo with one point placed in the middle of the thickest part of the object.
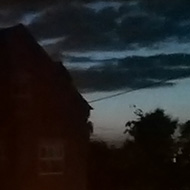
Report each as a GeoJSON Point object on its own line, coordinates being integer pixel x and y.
{"type": "Point", "coordinates": [17, 46]}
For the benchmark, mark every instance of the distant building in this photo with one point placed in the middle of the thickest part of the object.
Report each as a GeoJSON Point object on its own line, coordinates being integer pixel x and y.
{"type": "Point", "coordinates": [44, 129]}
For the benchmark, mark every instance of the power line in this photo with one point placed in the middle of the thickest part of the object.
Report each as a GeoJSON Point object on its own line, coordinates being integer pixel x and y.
{"type": "Point", "coordinates": [128, 91]}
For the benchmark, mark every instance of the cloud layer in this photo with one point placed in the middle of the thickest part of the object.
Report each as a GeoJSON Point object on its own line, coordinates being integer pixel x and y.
{"type": "Point", "coordinates": [133, 72]}
{"type": "Point", "coordinates": [101, 25]}
{"type": "Point", "coordinates": [83, 25]}
{"type": "Point", "coordinates": [86, 26]}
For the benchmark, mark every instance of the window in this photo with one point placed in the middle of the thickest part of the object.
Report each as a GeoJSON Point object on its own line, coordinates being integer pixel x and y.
{"type": "Point", "coordinates": [51, 158]}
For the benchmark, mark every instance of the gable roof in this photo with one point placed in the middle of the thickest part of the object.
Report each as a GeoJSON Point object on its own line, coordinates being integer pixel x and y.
{"type": "Point", "coordinates": [17, 46]}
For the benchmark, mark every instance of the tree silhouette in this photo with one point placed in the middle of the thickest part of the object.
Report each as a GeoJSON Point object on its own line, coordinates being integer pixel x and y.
{"type": "Point", "coordinates": [184, 144]}
{"type": "Point", "coordinates": [183, 157]}
{"type": "Point", "coordinates": [152, 149]}
{"type": "Point", "coordinates": [147, 162]}
{"type": "Point", "coordinates": [153, 132]}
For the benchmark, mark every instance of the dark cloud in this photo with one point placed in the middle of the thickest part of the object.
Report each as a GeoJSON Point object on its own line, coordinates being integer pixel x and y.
{"type": "Point", "coordinates": [133, 72]}
{"type": "Point", "coordinates": [142, 22]}
{"type": "Point", "coordinates": [141, 29]}
{"type": "Point", "coordinates": [79, 26]}
{"type": "Point", "coordinates": [64, 20]}
{"type": "Point", "coordinates": [82, 26]}
{"type": "Point", "coordinates": [31, 3]}
{"type": "Point", "coordinates": [175, 9]}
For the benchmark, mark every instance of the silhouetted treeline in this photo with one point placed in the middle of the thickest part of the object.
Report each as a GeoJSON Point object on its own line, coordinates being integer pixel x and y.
{"type": "Point", "coordinates": [157, 158]}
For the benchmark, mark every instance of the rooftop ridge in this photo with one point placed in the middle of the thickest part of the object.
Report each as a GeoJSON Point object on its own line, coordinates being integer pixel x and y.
{"type": "Point", "coordinates": [14, 28]}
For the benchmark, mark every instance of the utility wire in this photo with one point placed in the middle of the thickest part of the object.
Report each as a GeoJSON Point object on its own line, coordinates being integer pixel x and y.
{"type": "Point", "coordinates": [128, 91]}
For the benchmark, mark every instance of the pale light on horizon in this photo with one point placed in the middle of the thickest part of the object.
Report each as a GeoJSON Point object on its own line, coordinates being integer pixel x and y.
{"type": "Point", "coordinates": [109, 116]}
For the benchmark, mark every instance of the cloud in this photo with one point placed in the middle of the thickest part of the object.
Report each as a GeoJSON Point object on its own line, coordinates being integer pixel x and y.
{"type": "Point", "coordinates": [133, 72]}
{"type": "Point", "coordinates": [116, 25]}
{"type": "Point", "coordinates": [132, 22]}
{"type": "Point", "coordinates": [82, 27]}
{"type": "Point", "coordinates": [29, 3]}
{"type": "Point", "coordinates": [100, 25]}
{"type": "Point", "coordinates": [100, 5]}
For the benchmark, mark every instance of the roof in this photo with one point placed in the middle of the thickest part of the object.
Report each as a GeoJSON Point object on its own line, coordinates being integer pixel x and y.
{"type": "Point", "coordinates": [17, 45]}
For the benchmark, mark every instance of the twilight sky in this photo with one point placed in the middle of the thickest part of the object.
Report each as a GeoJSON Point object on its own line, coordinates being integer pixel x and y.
{"type": "Point", "coordinates": [110, 46]}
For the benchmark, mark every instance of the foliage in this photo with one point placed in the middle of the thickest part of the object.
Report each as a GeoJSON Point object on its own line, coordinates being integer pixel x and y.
{"type": "Point", "coordinates": [154, 126]}
{"type": "Point", "coordinates": [154, 160]}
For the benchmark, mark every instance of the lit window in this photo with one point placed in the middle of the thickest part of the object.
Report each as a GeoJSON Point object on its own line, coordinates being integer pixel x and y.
{"type": "Point", "coordinates": [51, 158]}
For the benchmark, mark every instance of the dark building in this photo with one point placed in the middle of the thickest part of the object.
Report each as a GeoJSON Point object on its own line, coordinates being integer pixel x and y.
{"type": "Point", "coordinates": [44, 129]}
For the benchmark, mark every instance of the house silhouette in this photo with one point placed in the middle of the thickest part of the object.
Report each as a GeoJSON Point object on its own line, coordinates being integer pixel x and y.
{"type": "Point", "coordinates": [44, 131]}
